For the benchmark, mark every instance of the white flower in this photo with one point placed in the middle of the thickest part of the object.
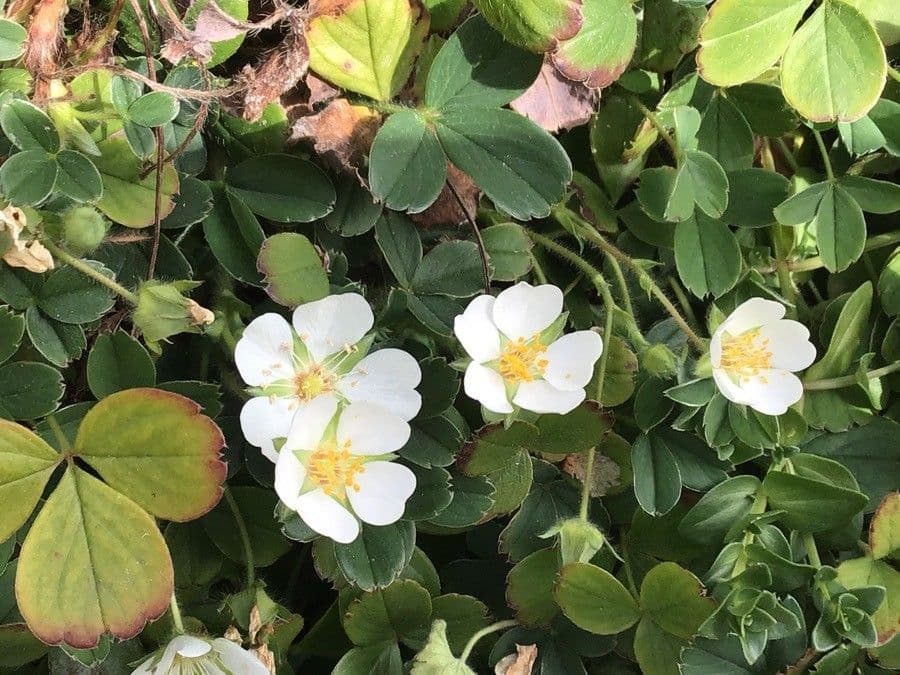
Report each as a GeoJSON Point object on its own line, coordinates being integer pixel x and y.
{"type": "Point", "coordinates": [188, 655]}
{"type": "Point", "coordinates": [755, 353]}
{"type": "Point", "coordinates": [319, 357]}
{"type": "Point", "coordinates": [335, 468]}
{"type": "Point", "coordinates": [517, 356]}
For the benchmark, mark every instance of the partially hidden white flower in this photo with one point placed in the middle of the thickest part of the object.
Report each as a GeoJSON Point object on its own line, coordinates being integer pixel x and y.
{"type": "Point", "coordinates": [517, 355]}
{"type": "Point", "coordinates": [189, 655]}
{"type": "Point", "coordinates": [755, 353]}
{"type": "Point", "coordinates": [335, 469]}
{"type": "Point", "coordinates": [323, 355]}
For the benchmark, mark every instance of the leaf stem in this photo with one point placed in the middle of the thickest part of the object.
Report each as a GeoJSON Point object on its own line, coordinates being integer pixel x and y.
{"type": "Point", "coordinates": [624, 294]}
{"type": "Point", "coordinates": [814, 263]}
{"type": "Point", "coordinates": [607, 336]}
{"type": "Point", "coordinates": [89, 271]}
{"type": "Point", "coordinates": [787, 155]}
{"type": "Point", "coordinates": [683, 300]}
{"type": "Point", "coordinates": [626, 562]}
{"type": "Point", "coordinates": [811, 551]}
{"type": "Point", "coordinates": [493, 628]}
{"type": "Point", "coordinates": [537, 269]}
{"type": "Point", "coordinates": [586, 485]}
{"type": "Point", "coordinates": [657, 124]}
{"type": "Point", "coordinates": [648, 282]}
{"type": "Point", "coordinates": [849, 380]}
{"type": "Point", "coordinates": [176, 615]}
{"type": "Point", "coordinates": [826, 160]}
{"type": "Point", "coordinates": [245, 535]}
{"type": "Point", "coordinates": [561, 251]}
{"type": "Point", "coordinates": [58, 434]}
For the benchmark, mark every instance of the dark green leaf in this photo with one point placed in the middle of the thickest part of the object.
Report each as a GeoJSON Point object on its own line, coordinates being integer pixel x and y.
{"type": "Point", "coordinates": [117, 361]}
{"type": "Point", "coordinates": [451, 268]}
{"type": "Point", "coordinates": [707, 255]}
{"type": "Point", "coordinates": [29, 390]}
{"type": "Point", "coordinates": [657, 479]}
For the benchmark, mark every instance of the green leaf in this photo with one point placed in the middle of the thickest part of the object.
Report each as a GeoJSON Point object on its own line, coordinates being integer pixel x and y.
{"type": "Point", "coordinates": [71, 297]}
{"type": "Point", "coordinates": [27, 464]}
{"type": "Point", "coordinates": [594, 600]}
{"type": "Point", "coordinates": [707, 255]}
{"type": "Point", "coordinates": [753, 195]}
{"type": "Point", "coordinates": [77, 177]}
{"type": "Point", "coordinates": [28, 177]}
{"type": "Point", "coordinates": [529, 588]}
{"type": "Point", "coordinates": [657, 479]}
{"type": "Point", "coordinates": [666, 194]}
{"type": "Point", "coordinates": [400, 245]}
{"type": "Point", "coordinates": [811, 505]}
{"type": "Point", "coordinates": [451, 268]}
{"type": "Point", "coordinates": [366, 46]}
{"type": "Point", "coordinates": [154, 109]}
{"type": "Point", "coordinates": [602, 49]}
{"type": "Point", "coordinates": [476, 67]}
{"type": "Point", "coordinates": [802, 207]}
{"type": "Point", "coordinates": [378, 555]}
{"type": "Point", "coordinates": [29, 127]}
{"type": "Point", "coordinates": [57, 342]}
{"type": "Point", "coordinates": [656, 651]}
{"type": "Point", "coordinates": [29, 390]}
{"type": "Point", "coordinates": [19, 646]}
{"type": "Point", "coordinates": [764, 108]}
{"type": "Point", "coordinates": [282, 188]}
{"type": "Point", "coordinates": [407, 167]}
{"type": "Point", "coordinates": [12, 328]}
{"type": "Point", "coordinates": [12, 40]}
{"type": "Point", "coordinates": [674, 599]}
{"type": "Point", "coordinates": [847, 335]}
{"type": "Point", "coordinates": [383, 658]}
{"type": "Point", "coordinates": [865, 572]}
{"type": "Point", "coordinates": [873, 196]}
{"type": "Point", "coordinates": [694, 393]}
{"type": "Point", "coordinates": [509, 250]}
{"type": "Point", "coordinates": [93, 563]}
{"type": "Point", "coordinates": [292, 269]}
{"type": "Point", "coordinates": [741, 40]}
{"type": "Point", "coordinates": [117, 361]}
{"type": "Point", "coordinates": [390, 614]}
{"type": "Point", "coordinates": [520, 167]}
{"type": "Point", "coordinates": [536, 25]}
{"type": "Point", "coordinates": [883, 15]}
{"type": "Point", "coordinates": [436, 657]}
{"type": "Point", "coordinates": [256, 506]}
{"type": "Point", "coordinates": [840, 228]}
{"type": "Point", "coordinates": [834, 67]}
{"type": "Point", "coordinates": [141, 140]}
{"type": "Point", "coordinates": [129, 199]}
{"type": "Point", "coordinates": [727, 503]}
{"type": "Point", "coordinates": [155, 447]}
{"type": "Point", "coordinates": [235, 236]}
{"type": "Point", "coordinates": [192, 204]}
{"type": "Point", "coordinates": [464, 616]}
{"type": "Point", "coordinates": [473, 498]}
{"type": "Point", "coordinates": [432, 493]}
{"type": "Point", "coordinates": [355, 210]}
{"type": "Point", "coordinates": [888, 287]}
{"type": "Point", "coordinates": [708, 180]}
{"type": "Point", "coordinates": [884, 529]}
{"type": "Point", "coordinates": [725, 134]}
{"type": "Point", "coordinates": [621, 365]}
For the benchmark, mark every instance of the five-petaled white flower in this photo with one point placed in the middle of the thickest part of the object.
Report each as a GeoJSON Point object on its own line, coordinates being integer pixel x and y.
{"type": "Point", "coordinates": [188, 655]}
{"type": "Point", "coordinates": [325, 357]}
{"type": "Point", "coordinates": [334, 468]}
{"type": "Point", "coordinates": [518, 356]}
{"type": "Point", "coordinates": [755, 353]}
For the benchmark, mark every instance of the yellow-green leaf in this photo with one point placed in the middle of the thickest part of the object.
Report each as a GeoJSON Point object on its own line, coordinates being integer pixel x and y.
{"type": "Point", "coordinates": [26, 463]}
{"type": "Point", "coordinates": [93, 563]}
{"type": "Point", "coordinates": [366, 46]}
{"type": "Point", "coordinates": [158, 449]}
{"type": "Point", "coordinates": [834, 68]}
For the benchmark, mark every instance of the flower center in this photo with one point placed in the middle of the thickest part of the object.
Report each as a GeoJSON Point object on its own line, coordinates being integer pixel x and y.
{"type": "Point", "coordinates": [313, 382]}
{"type": "Point", "coordinates": [747, 354]}
{"type": "Point", "coordinates": [521, 361]}
{"type": "Point", "coordinates": [334, 469]}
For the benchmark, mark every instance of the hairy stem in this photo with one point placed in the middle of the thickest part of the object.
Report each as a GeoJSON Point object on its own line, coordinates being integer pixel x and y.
{"type": "Point", "coordinates": [89, 271]}
{"type": "Point", "coordinates": [493, 628]}
{"type": "Point", "coordinates": [245, 536]}
{"type": "Point", "coordinates": [849, 380]}
{"type": "Point", "coordinates": [657, 124]}
{"type": "Point", "coordinates": [176, 615]}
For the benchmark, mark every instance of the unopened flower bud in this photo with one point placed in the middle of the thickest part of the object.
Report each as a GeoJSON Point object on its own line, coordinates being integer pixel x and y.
{"type": "Point", "coordinates": [659, 361]}
{"type": "Point", "coordinates": [163, 311]}
{"type": "Point", "coordinates": [84, 229]}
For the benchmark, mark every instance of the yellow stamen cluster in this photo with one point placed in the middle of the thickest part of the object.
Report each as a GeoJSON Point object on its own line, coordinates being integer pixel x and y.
{"type": "Point", "coordinates": [313, 382]}
{"type": "Point", "coordinates": [521, 361]}
{"type": "Point", "coordinates": [747, 354]}
{"type": "Point", "coordinates": [334, 469]}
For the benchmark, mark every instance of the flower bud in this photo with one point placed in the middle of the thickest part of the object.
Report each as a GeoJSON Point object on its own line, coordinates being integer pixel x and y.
{"type": "Point", "coordinates": [163, 311]}
{"type": "Point", "coordinates": [659, 361]}
{"type": "Point", "coordinates": [84, 229]}
{"type": "Point", "coordinates": [579, 540]}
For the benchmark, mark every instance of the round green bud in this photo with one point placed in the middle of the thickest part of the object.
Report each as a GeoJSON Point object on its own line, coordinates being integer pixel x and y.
{"type": "Point", "coordinates": [83, 229]}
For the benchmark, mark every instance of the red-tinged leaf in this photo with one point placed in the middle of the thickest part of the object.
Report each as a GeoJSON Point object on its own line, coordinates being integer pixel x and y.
{"type": "Point", "coordinates": [554, 102]}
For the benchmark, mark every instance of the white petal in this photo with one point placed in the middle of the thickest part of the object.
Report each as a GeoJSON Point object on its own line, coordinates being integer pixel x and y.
{"type": "Point", "coordinates": [476, 332]}
{"type": "Point", "coordinates": [571, 359]}
{"type": "Point", "coordinates": [487, 387]}
{"type": "Point", "coordinates": [289, 476]}
{"type": "Point", "coordinates": [327, 517]}
{"type": "Point", "coordinates": [263, 354]}
{"type": "Point", "coordinates": [371, 430]}
{"type": "Point", "coordinates": [237, 659]}
{"type": "Point", "coordinates": [384, 488]}
{"type": "Point", "coordinates": [773, 391]}
{"type": "Point", "coordinates": [190, 647]}
{"type": "Point", "coordinates": [310, 422]}
{"type": "Point", "coordinates": [715, 348]}
{"type": "Point", "coordinates": [730, 389]}
{"type": "Point", "coordinates": [327, 325]}
{"type": "Point", "coordinates": [145, 668]}
{"type": "Point", "coordinates": [264, 419]}
{"type": "Point", "coordinates": [387, 377]}
{"type": "Point", "coordinates": [789, 344]}
{"type": "Point", "coordinates": [542, 397]}
{"type": "Point", "coordinates": [523, 309]}
{"type": "Point", "coordinates": [753, 313]}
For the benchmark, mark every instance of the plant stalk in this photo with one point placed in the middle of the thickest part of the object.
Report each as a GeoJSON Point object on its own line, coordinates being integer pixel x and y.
{"type": "Point", "coordinates": [89, 271]}
{"type": "Point", "coordinates": [849, 380]}
{"type": "Point", "coordinates": [245, 536]}
{"type": "Point", "coordinates": [493, 628]}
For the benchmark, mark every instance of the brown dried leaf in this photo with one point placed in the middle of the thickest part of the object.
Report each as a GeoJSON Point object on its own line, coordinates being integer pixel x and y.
{"type": "Point", "coordinates": [446, 209]}
{"type": "Point", "coordinates": [319, 90]}
{"type": "Point", "coordinates": [214, 25]}
{"type": "Point", "coordinates": [341, 133]}
{"type": "Point", "coordinates": [554, 102]}
{"type": "Point", "coordinates": [606, 473]}
{"type": "Point", "coordinates": [519, 663]}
